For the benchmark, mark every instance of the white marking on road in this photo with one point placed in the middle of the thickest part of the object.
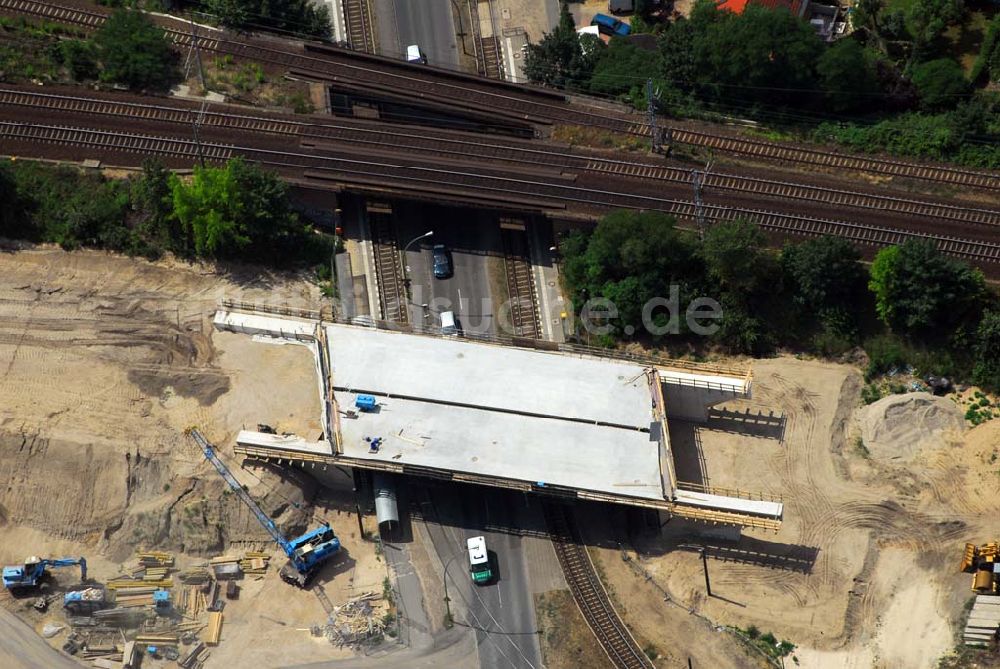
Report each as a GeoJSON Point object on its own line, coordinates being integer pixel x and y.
{"type": "Point", "coordinates": [447, 529]}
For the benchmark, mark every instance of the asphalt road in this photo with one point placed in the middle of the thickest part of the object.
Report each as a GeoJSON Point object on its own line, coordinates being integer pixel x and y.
{"type": "Point", "coordinates": [427, 23]}
{"type": "Point", "coordinates": [21, 648]}
{"type": "Point", "coordinates": [502, 612]}
{"type": "Point", "coordinates": [471, 240]}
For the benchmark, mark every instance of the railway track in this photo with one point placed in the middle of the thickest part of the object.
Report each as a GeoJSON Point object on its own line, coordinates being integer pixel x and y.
{"type": "Point", "coordinates": [797, 154]}
{"type": "Point", "coordinates": [482, 187]}
{"type": "Point", "coordinates": [368, 72]}
{"type": "Point", "coordinates": [360, 26]}
{"type": "Point", "coordinates": [388, 272]}
{"type": "Point", "coordinates": [589, 593]}
{"type": "Point", "coordinates": [523, 299]}
{"type": "Point", "coordinates": [488, 52]}
{"type": "Point", "coordinates": [529, 105]}
{"type": "Point", "coordinates": [533, 154]}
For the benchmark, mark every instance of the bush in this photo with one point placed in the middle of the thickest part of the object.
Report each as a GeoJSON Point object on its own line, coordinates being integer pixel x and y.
{"type": "Point", "coordinates": [133, 51]}
{"type": "Point", "coordinates": [986, 371]}
{"type": "Point", "coordinates": [884, 354]}
{"type": "Point", "coordinates": [870, 394]}
{"type": "Point", "coordinates": [941, 83]}
{"type": "Point", "coordinates": [921, 292]}
{"type": "Point", "coordinates": [988, 61]}
{"type": "Point", "coordinates": [79, 58]}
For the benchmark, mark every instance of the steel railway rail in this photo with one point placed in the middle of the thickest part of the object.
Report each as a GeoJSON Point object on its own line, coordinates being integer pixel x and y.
{"type": "Point", "coordinates": [521, 293]}
{"type": "Point", "coordinates": [798, 154]}
{"type": "Point", "coordinates": [525, 103]}
{"type": "Point", "coordinates": [388, 273]}
{"type": "Point", "coordinates": [405, 176]}
{"type": "Point", "coordinates": [360, 25]}
{"type": "Point", "coordinates": [531, 154]}
{"type": "Point", "coordinates": [488, 60]}
{"type": "Point", "coordinates": [371, 72]}
{"type": "Point", "coordinates": [589, 593]}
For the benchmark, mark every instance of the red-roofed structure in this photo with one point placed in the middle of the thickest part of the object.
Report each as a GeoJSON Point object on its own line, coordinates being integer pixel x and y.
{"type": "Point", "coordinates": [822, 17]}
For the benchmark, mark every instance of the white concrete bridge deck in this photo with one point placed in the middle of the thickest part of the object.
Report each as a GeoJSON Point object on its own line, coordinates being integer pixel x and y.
{"type": "Point", "coordinates": [497, 411]}
{"type": "Point", "coordinates": [503, 413]}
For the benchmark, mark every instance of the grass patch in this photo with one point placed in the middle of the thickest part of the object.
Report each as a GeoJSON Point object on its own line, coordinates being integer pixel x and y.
{"type": "Point", "coordinates": [962, 42]}
{"type": "Point", "coordinates": [575, 135]}
{"type": "Point", "coordinates": [564, 638]}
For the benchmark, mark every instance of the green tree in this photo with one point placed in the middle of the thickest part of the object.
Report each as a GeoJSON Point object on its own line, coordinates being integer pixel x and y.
{"type": "Point", "coordinates": [826, 277]}
{"type": "Point", "coordinates": [155, 230]}
{"type": "Point", "coordinates": [988, 61]}
{"type": "Point", "coordinates": [987, 368]}
{"type": "Point", "coordinates": [235, 210]}
{"type": "Point", "coordinates": [926, 20]}
{"type": "Point", "coordinates": [135, 52]}
{"type": "Point", "coordinates": [14, 222]}
{"type": "Point", "coordinates": [923, 293]}
{"type": "Point", "coordinates": [623, 69]}
{"type": "Point", "coordinates": [562, 58]}
{"type": "Point", "coordinates": [209, 211]}
{"type": "Point", "coordinates": [941, 83]}
{"type": "Point", "coordinates": [630, 258]}
{"type": "Point", "coordinates": [735, 255]}
{"type": "Point", "coordinates": [747, 280]}
{"type": "Point", "coordinates": [294, 16]}
{"type": "Point", "coordinates": [761, 54]}
{"type": "Point", "coordinates": [676, 51]}
{"type": "Point", "coordinates": [847, 74]}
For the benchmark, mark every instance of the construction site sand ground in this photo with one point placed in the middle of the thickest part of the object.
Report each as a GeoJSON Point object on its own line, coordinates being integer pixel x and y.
{"type": "Point", "coordinates": [864, 571]}
{"type": "Point", "coordinates": [104, 362]}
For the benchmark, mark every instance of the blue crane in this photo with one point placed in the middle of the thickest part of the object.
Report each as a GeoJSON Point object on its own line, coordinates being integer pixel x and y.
{"type": "Point", "coordinates": [31, 573]}
{"type": "Point", "coordinates": [305, 553]}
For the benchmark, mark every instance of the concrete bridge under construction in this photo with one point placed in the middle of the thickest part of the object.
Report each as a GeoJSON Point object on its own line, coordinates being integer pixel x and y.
{"type": "Point", "coordinates": [520, 414]}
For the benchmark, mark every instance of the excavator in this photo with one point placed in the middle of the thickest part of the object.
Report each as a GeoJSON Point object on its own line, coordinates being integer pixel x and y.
{"type": "Point", "coordinates": [305, 553]}
{"type": "Point", "coordinates": [32, 572]}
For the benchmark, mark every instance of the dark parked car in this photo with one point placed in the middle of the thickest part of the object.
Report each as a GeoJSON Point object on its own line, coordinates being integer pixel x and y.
{"type": "Point", "coordinates": [442, 262]}
{"type": "Point", "coordinates": [609, 25]}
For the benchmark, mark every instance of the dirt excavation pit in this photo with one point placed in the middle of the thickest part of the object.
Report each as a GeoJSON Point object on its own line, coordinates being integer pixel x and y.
{"type": "Point", "coordinates": [104, 363]}
{"type": "Point", "coordinates": [863, 572]}
{"type": "Point", "coordinates": [899, 426]}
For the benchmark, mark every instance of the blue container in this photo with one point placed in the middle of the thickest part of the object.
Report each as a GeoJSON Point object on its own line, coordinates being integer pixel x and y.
{"type": "Point", "coordinates": [365, 402]}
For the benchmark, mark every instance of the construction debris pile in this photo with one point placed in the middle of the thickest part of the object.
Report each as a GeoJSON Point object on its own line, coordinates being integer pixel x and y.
{"type": "Point", "coordinates": [361, 620]}
{"type": "Point", "coordinates": [156, 610]}
{"type": "Point", "coordinates": [984, 619]}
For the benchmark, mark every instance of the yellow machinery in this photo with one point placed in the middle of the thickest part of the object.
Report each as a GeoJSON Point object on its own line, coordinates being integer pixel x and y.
{"type": "Point", "coordinates": [980, 562]}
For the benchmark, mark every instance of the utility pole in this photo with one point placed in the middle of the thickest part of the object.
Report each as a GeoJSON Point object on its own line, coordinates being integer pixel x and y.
{"type": "Point", "coordinates": [198, 120]}
{"type": "Point", "coordinates": [704, 564]}
{"type": "Point", "coordinates": [698, 180]}
{"type": "Point", "coordinates": [651, 115]}
{"type": "Point", "coordinates": [194, 48]}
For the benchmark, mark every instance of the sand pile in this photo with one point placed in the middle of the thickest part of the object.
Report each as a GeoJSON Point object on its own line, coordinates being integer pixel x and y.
{"type": "Point", "coordinates": [899, 426]}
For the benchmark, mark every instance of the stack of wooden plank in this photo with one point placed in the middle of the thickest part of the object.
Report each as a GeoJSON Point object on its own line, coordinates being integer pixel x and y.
{"type": "Point", "coordinates": [130, 601]}
{"type": "Point", "coordinates": [192, 601]}
{"type": "Point", "coordinates": [214, 630]}
{"type": "Point", "coordinates": [195, 658]}
{"type": "Point", "coordinates": [984, 621]}
{"type": "Point", "coordinates": [155, 559]}
{"type": "Point", "coordinates": [254, 562]}
{"type": "Point", "coordinates": [154, 574]}
{"type": "Point", "coordinates": [138, 583]}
